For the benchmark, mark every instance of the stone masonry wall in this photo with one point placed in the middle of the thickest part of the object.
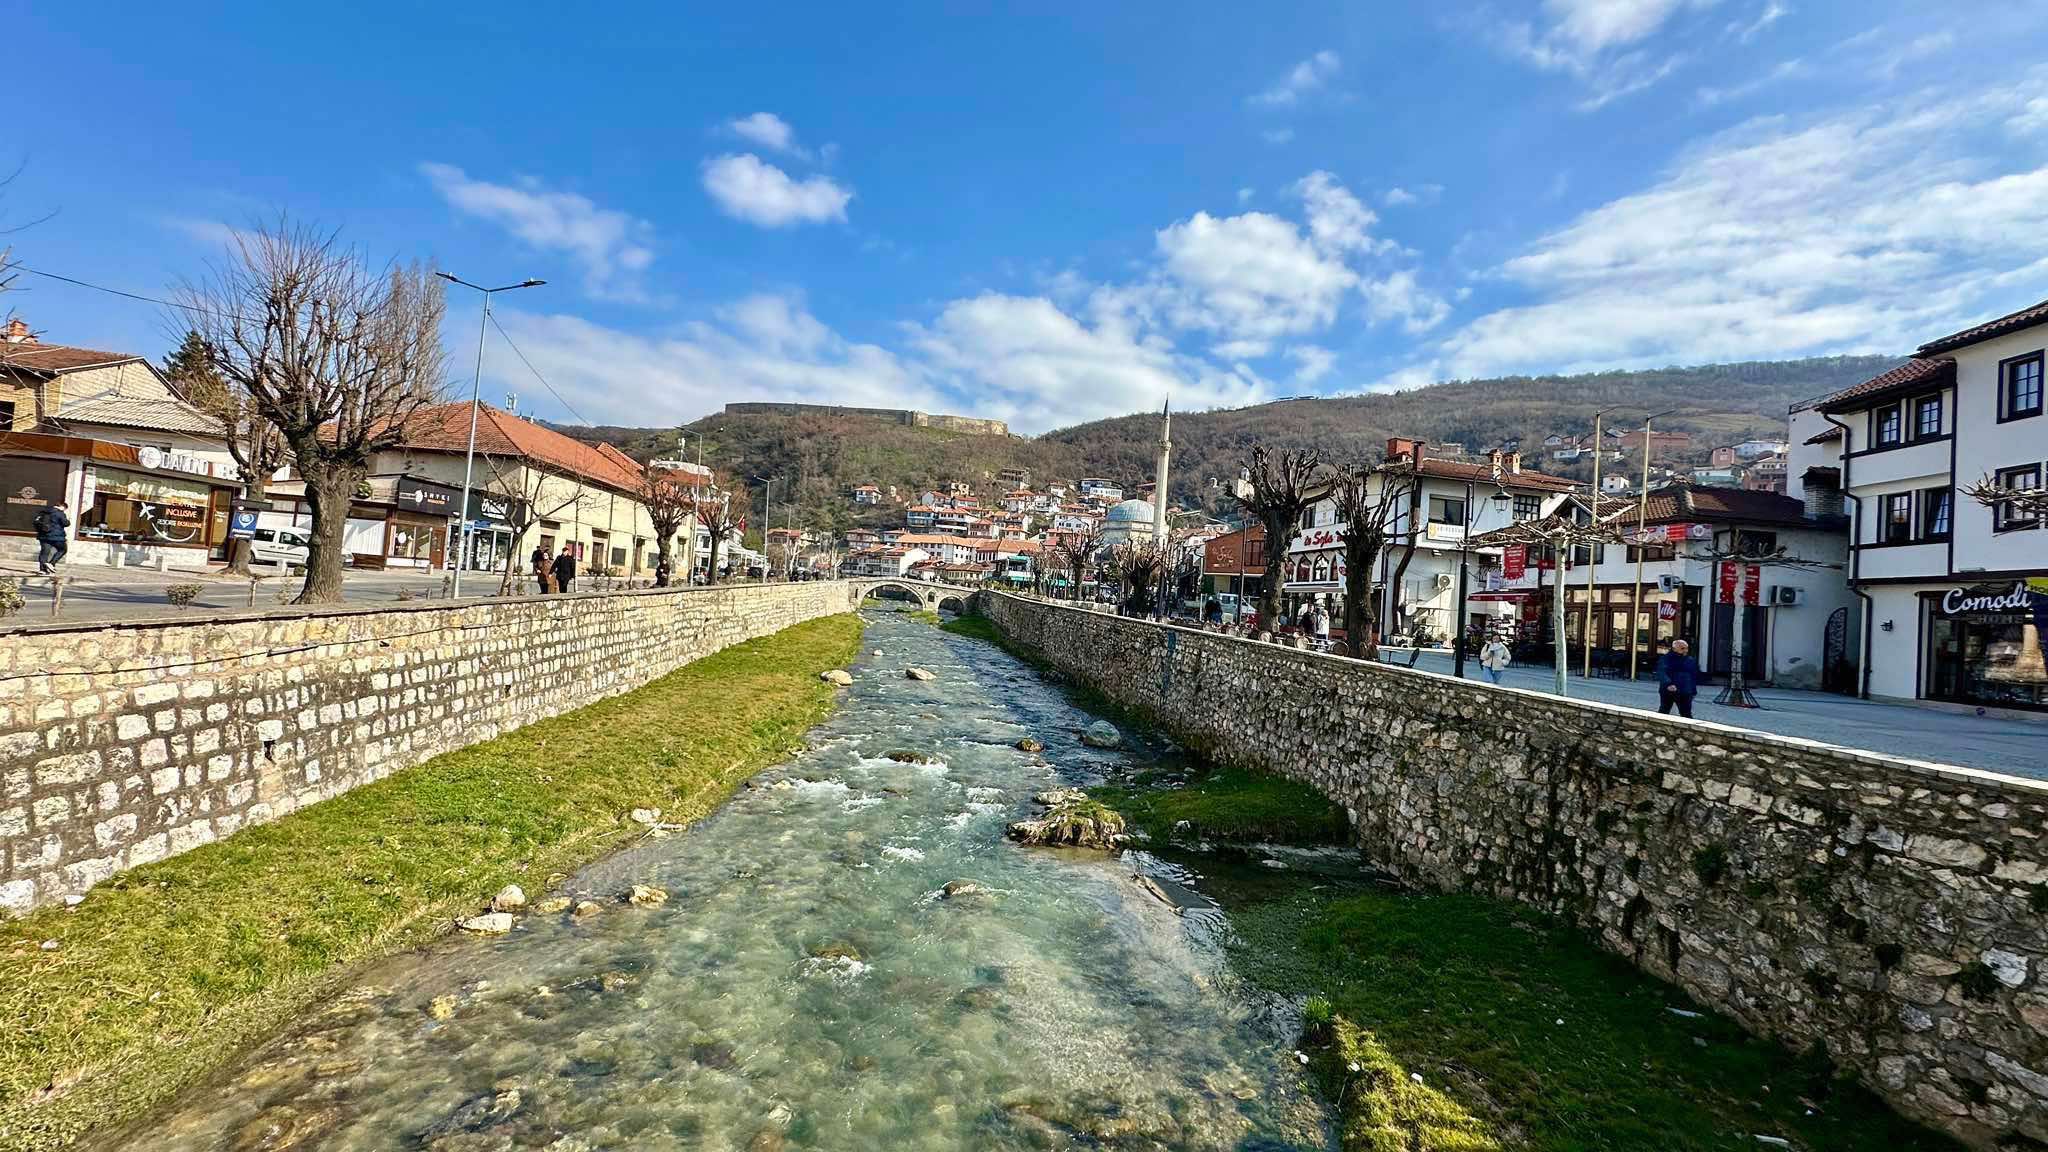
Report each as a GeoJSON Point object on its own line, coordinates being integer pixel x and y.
{"type": "Point", "coordinates": [124, 743]}
{"type": "Point", "coordinates": [1894, 911]}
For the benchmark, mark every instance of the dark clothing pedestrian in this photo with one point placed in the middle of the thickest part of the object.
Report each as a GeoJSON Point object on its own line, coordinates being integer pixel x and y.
{"type": "Point", "coordinates": [541, 572]}
{"type": "Point", "coordinates": [565, 571]}
{"type": "Point", "coordinates": [1678, 681]}
{"type": "Point", "coordinates": [52, 526]}
{"type": "Point", "coordinates": [1213, 612]}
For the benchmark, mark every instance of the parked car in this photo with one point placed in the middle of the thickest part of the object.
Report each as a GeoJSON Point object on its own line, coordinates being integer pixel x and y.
{"type": "Point", "coordinates": [271, 545]}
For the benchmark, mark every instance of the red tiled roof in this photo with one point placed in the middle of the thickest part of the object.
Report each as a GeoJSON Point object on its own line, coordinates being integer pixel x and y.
{"type": "Point", "coordinates": [445, 428]}
{"type": "Point", "coordinates": [1920, 372]}
{"type": "Point", "coordinates": [1682, 503]}
{"type": "Point", "coordinates": [2010, 322]}
{"type": "Point", "coordinates": [48, 359]}
{"type": "Point", "coordinates": [1460, 470]}
{"type": "Point", "coordinates": [1823, 437]}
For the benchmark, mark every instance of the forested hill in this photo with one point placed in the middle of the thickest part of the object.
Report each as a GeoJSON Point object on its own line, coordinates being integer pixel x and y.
{"type": "Point", "coordinates": [817, 457]}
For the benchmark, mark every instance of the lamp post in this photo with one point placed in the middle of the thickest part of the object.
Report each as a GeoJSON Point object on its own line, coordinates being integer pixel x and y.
{"type": "Point", "coordinates": [476, 382]}
{"type": "Point", "coordinates": [1592, 567]}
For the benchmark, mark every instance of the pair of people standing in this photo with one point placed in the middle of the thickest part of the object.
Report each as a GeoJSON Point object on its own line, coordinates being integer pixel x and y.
{"type": "Point", "coordinates": [556, 576]}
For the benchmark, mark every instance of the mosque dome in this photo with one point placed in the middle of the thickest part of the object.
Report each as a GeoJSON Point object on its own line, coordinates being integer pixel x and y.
{"type": "Point", "coordinates": [1131, 512]}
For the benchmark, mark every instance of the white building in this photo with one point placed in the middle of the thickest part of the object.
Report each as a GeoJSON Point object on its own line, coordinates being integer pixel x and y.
{"type": "Point", "coordinates": [1100, 490]}
{"type": "Point", "coordinates": [1128, 522]}
{"type": "Point", "coordinates": [1954, 594]}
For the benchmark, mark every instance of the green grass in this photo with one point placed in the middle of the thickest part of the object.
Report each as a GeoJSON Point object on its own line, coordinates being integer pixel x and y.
{"type": "Point", "coordinates": [1230, 804]}
{"type": "Point", "coordinates": [1527, 1036]}
{"type": "Point", "coordinates": [975, 628]}
{"type": "Point", "coordinates": [169, 969]}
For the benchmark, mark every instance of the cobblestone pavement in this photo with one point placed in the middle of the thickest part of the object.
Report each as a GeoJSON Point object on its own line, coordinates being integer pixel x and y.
{"type": "Point", "coordinates": [2019, 747]}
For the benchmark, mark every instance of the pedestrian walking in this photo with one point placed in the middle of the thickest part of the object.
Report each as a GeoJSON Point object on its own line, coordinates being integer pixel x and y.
{"type": "Point", "coordinates": [1212, 613]}
{"type": "Point", "coordinates": [543, 575]}
{"type": "Point", "coordinates": [1678, 679]}
{"type": "Point", "coordinates": [53, 538]}
{"type": "Point", "coordinates": [1494, 658]}
{"type": "Point", "coordinates": [661, 573]}
{"type": "Point", "coordinates": [565, 569]}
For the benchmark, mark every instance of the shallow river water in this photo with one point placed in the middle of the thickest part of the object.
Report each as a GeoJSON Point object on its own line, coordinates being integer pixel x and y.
{"type": "Point", "coordinates": [806, 985]}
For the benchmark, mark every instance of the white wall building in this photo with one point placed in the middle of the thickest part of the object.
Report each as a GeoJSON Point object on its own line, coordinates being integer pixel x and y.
{"type": "Point", "coordinates": [1954, 594]}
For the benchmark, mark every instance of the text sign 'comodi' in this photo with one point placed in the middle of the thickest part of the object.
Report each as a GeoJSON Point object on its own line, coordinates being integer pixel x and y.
{"type": "Point", "coordinates": [1990, 599]}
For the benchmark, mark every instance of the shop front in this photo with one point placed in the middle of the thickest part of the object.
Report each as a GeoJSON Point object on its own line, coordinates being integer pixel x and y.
{"type": "Point", "coordinates": [416, 531]}
{"type": "Point", "coordinates": [1661, 616]}
{"type": "Point", "coordinates": [491, 517]}
{"type": "Point", "coordinates": [1984, 644]}
{"type": "Point", "coordinates": [128, 505]}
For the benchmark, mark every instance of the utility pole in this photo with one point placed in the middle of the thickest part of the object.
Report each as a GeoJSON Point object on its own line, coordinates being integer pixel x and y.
{"type": "Point", "coordinates": [1642, 514]}
{"type": "Point", "coordinates": [1592, 567]}
{"type": "Point", "coordinates": [1557, 611]}
{"type": "Point", "coordinates": [475, 384]}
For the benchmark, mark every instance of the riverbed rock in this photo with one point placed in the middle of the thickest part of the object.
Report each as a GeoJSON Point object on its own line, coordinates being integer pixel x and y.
{"type": "Point", "coordinates": [488, 924]}
{"type": "Point", "coordinates": [585, 909]}
{"type": "Point", "coordinates": [510, 898]}
{"type": "Point", "coordinates": [442, 1007]}
{"type": "Point", "coordinates": [911, 756]}
{"type": "Point", "coordinates": [1030, 744]}
{"type": "Point", "coordinates": [838, 676]}
{"type": "Point", "coordinates": [1072, 818]}
{"type": "Point", "coordinates": [646, 896]}
{"type": "Point", "coordinates": [283, 1127]}
{"type": "Point", "coordinates": [646, 815]}
{"type": "Point", "coordinates": [1102, 734]}
{"type": "Point", "coordinates": [918, 674]}
{"type": "Point", "coordinates": [959, 889]}
{"type": "Point", "coordinates": [837, 950]}
{"type": "Point", "coordinates": [553, 905]}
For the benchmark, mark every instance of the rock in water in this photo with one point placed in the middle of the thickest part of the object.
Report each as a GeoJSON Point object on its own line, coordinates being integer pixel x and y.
{"type": "Point", "coordinates": [917, 674]}
{"type": "Point", "coordinates": [647, 897]}
{"type": "Point", "coordinates": [488, 924]}
{"type": "Point", "coordinates": [510, 898]}
{"type": "Point", "coordinates": [552, 905]}
{"type": "Point", "coordinates": [1072, 818]}
{"type": "Point", "coordinates": [586, 909]}
{"type": "Point", "coordinates": [838, 676]}
{"type": "Point", "coordinates": [1030, 744]}
{"type": "Point", "coordinates": [1102, 734]}
{"type": "Point", "coordinates": [646, 815]}
{"type": "Point", "coordinates": [908, 756]}
{"type": "Point", "coordinates": [955, 889]}
{"type": "Point", "coordinates": [442, 1007]}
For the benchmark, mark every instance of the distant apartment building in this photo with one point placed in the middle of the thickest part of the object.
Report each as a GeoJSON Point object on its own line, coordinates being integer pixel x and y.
{"type": "Point", "coordinates": [1101, 491]}
{"type": "Point", "coordinates": [1631, 440]}
{"type": "Point", "coordinates": [870, 494]}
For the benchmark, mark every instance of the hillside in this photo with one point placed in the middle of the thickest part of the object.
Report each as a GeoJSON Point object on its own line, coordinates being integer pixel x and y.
{"type": "Point", "coordinates": [820, 456]}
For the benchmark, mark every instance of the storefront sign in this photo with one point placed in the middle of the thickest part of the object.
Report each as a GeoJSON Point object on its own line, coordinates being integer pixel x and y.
{"type": "Point", "coordinates": [242, 525]}
{"type": "Point", "coordinates": [1514, 561]}
{"type": "Point", "coordinates": [420, 496]}
{"type": "Point", "coordinates": [1313, 539]}
{"type": "Point", "coordinates": [1667, 610]}
{"type": "Point", "coordinates": [154, 458]}
{"type": "Point", "coordinates": [1957, 601]}
{"type": "Point", "coordinates": [1751, 577]}
{"type": "Point", "coordinates": [493, 507]}
{"type": "Point", "coordinates": [1668, 533]}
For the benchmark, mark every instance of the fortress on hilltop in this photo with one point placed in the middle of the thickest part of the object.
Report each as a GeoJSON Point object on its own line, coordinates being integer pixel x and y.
{"type": "Point", "coordinates": [972, 424]}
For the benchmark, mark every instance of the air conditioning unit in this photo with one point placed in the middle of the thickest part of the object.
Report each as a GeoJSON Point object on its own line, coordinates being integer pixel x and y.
{"type": "Point", "coordinates": [1669, 583]}
{"type": "Point", "coordinates": [1785, 596]}
{"type": "Point", "coordinates": [1444, 581]}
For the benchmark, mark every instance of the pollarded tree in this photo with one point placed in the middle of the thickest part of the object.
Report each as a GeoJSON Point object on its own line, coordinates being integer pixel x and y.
{"type": "Point", "coordinates": [1368, 521]}
{"type": "Point", "coordinates": [670, 498]}
{"type": "Point", "coordinates": [1074, 551]}
{"type": "Point", "coordinates": [1280, 491]}
{"type": "Point", "coordinates": [334, 354]}
{"type": "Point", "coordinates": [714, 511]}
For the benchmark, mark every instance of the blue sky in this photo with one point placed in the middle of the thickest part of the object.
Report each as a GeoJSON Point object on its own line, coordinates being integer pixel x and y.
{"type": "Point", "coordinates": [1061, 217]}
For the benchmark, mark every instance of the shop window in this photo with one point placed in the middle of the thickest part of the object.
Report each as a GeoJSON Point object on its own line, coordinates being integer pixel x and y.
{"type": "Point", "coordinates": [2019, 387]}
{"type": "Point", "coordinates": [1927, 417]}
{"type": "Point", "coordinates": [1447, 510]}
{"type": "Point", "coordinates": [1898, 518]}
{"type": "Point", "coordinates": [2009, 516]}
{"type": "Point", "coordinates": [1528, 507]}
{"type": "Point", "coordinates": [1884, 426]}
{"type": "Point", "coordinates": [1650, 553]}
{"type": "Point", "coordinates": [1750, 543]}
{"type": "Point", "coordinates": [147, 508]}
{"type": "Point", "coordinates": [1991, 658]}
{"type": "Point", "coordinates": [1935, 511]}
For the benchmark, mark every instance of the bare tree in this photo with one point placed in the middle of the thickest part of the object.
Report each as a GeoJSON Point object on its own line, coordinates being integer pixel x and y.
{"type": "Point", "coordinates": [1074, 551]}
{"type": "Point", "coordinates": [1367, 524]}
{"type": "Point", "coordinates": [333, 354]}
{"type": "Point", "coordinates": [1280, 487]}
{"type": "Point", "coordinates": [254, 443]}
{"type": "Point", "coordinates": [2018, 503]}
{"type": "Point", "coordinates": [714, 511]}
{"type": "Point", "coordinates": [670, 504]}
{"type": "Point", "coordinates": [533, 499]}
{"type": "Point", "coordinates": [1138, 565]}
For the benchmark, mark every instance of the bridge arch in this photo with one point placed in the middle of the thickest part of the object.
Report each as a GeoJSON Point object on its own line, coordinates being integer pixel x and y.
{"type": "Point", "coordinates": [925, 596]}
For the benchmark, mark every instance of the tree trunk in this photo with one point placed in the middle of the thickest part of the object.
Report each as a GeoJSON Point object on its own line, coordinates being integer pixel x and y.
{"type": "Point", "coordinates": [330, 488]}
{"type": "Point", "coordinates": [1359, 622]}
{"type": "Point", "coordinates": [1276, 561]}
{"type": "Point", "coordinates": [660, 559]}
{"type": "Point", "coordinates": [711, 565]}
{"type": "Point", "coordinates": [242, 550]}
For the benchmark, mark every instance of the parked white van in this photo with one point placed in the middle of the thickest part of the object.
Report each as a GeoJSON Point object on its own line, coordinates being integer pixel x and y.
{"type": "Point", "coordinates": [271, 545]}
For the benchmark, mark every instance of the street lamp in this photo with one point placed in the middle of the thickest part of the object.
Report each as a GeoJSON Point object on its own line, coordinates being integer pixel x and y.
{"type": "Point", "coordinates": [469, 456]}
{"type": "Point", "coordinates": [1635, 609]}
{"type": "Point", "coordinates": [1500, 496]}
{"type": "Point", "coordinates": [1592, 569]}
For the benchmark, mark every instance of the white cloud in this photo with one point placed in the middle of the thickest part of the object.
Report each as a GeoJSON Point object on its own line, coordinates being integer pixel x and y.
{"type": "Point", "coordinates": [1252, 276]}
{"type": "Point", "coordinates": [1707, 97]}
{"type": "Point", "coordinates": [1396, 197]}
{"type": "Point", "coordinates": [767, 130]}
{"type": "Point", "coordinates": [1870, 230]}
{"type": "Point", "coordinates": [1400, 197]}
{"type": "Point", "coordinates": [1337, 221]}
{"type": "Point", "coordinates": [1311, 363]}
{"type": "Point", "coordinates": [748, 188]}
{"type": "Point", "coordinates": [1244, 195]}
{"type": "Point", "coordinates": [1602, 43]}
{"type": "Point", "coordinates": [1398, 296]}
{"type": "Point", "coordinates": [1277, 135]}
{"type": "Point", "coordinates": [1770, 14]}
{"type": "Point", "coordinates": [1311, 75]}
{"type": "Point", "coordinates": [612, 247]}
{"type": "Point", "coordinates": [2030, 119]}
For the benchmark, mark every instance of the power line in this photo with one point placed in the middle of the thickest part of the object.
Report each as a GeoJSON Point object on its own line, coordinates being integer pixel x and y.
{"type": "Point", "coordinates": [536, 373]}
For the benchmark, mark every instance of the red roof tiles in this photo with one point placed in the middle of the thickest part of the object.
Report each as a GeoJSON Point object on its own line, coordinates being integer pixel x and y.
{"type": "Point", "coordinates": [445, 428]}
{"type": "Point", "coordinates": [2010, 322]}
{"type": "Point", "coordinates": [1921, 372]}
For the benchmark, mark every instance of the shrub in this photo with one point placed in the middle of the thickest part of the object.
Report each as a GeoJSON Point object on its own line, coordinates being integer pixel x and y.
{"type": "Point", "coordinates": [182, 595]}
{"type": "Point", "coordinates": [1317, 1017]}
{"type": "Point", "coordinates": [11, 600]}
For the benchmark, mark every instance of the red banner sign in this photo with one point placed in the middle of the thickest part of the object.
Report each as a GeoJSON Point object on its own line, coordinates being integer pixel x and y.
{"type": "Point", "coordinates": [1751, 577]}
{"type": "Point", "coordinates": [1514, 561]}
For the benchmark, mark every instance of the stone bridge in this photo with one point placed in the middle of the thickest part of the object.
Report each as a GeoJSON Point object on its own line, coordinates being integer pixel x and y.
{"type": "Point", "coordinates": [930, 597]}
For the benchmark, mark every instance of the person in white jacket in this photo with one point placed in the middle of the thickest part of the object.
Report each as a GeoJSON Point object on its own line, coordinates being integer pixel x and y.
{"type": "Point", "coordinates": [1494, 658]}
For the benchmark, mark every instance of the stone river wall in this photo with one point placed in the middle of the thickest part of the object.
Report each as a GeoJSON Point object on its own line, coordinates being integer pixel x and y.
{"type": "Point", "coordinates": [124, 743]}
{"type": "Point", "coordinates": [1894, 911]}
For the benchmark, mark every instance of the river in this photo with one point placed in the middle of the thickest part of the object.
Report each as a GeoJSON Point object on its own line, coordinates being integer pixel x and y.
{"type": "Point", "coordinates": [807, 985]}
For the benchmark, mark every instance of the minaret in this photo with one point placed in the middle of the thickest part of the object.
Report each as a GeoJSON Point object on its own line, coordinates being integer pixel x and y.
{"type": "Point", "coordinates": [1159, 480]}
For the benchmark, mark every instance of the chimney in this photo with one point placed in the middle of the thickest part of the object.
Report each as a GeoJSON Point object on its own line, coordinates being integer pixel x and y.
{"type": "Point", "coordinates": [18, 332]}
{"type": "Point", "coordinates": [1823, 492]}
{"type": "Point", "coordinates": [1514, 462]}
{"type": "Point", "coordinates": [1403, 448]}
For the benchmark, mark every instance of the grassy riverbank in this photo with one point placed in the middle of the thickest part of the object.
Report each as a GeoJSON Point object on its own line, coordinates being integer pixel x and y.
{"type": "Point", "coordinates": [1527, 1036]}
{"type": "Point", "coordinates": [167, 970]}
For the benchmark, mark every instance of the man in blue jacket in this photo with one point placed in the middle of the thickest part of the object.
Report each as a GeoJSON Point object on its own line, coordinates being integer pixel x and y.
{"type": "Point", "coordinates": [1678, 679]}
{"type": "Point", "coordinates": [53, 529]}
